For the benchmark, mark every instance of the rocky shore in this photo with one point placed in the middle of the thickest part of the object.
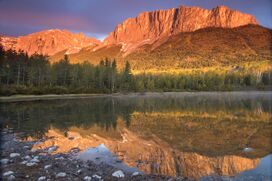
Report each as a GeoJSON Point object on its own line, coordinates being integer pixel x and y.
{"type": "Point", "coordinates": [20, 162]}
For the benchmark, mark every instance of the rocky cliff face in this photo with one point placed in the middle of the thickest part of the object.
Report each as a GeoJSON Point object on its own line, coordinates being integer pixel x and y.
{"type": "Point", "coordinates": [149, 26]}
{"type": "Point", "coordinates": [49, 42]}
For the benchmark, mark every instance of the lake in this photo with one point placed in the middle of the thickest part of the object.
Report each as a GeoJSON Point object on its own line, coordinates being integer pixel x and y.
{"type": "Point", "coordinates": [194, 135]}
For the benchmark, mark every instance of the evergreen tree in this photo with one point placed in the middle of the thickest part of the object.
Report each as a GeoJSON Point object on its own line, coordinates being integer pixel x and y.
{"type": "Point", "coordinates": [62, 69]}
{"type": "Point", "coordinates": [113, 75]}
{"type": "Point", "coordinates": [35, 72]}
{"type": "Point", "coordinates": [127, 77]}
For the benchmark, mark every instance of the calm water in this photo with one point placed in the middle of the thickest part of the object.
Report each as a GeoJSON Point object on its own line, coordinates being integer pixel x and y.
{"type": "Point", "coordinates": [193, 135]}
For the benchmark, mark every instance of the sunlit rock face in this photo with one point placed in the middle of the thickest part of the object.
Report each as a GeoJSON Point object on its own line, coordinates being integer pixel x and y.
{"type": "Point", "coordinates": [151, 156]}
{"type": "Point", "coordinates": [149, 26]}
{"type": "Point", "coordinates": [49, 42]}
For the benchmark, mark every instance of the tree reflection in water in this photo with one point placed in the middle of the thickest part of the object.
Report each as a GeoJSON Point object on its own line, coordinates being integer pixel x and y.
{"type": "Point", "coordinates": [193, 135]}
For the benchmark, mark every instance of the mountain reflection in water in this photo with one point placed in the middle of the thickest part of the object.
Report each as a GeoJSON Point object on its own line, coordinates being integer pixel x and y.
{"type": "Point", "coordinates": [192, 136]}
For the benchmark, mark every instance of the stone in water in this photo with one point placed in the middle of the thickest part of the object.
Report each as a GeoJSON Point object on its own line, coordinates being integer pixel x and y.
{"type": "Point", "coordinates": [47, 166]}
{"type": "Point", "coordinates": [61, 174]}
{"type": "Point", "coordinates": [118, 174]}
{"type": "Point", "coordinates": [8, 173]}
{"type": "Point", "coordinates": [41, 178]}
{"type": "Point", "coordinates": [135, 174]}
{"type": "Point", "coordinates": [4, 161]}
{"type": "Point", "coordinates": [87, 178]}
{"type": "Point", "coordinates": [13, 155]}
{"type": "Point", "coordinates": [248, 149]}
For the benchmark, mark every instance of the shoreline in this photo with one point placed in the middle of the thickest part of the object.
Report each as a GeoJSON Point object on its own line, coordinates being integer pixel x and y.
{"type": "Point", "coordinates": [20, 162]}
{"type": "Point", "coordinates": [24, 98]}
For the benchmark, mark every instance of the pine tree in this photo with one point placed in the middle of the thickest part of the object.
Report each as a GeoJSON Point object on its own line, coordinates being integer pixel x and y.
{"type": "Point", "coordinates": [127, 77]}
{"type": "Point", "coordinates": [113, 75]}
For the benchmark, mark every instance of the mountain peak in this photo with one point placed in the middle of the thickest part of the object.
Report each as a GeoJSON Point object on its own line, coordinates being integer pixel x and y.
{"type": "Point", "coordinates": [222, 7]}
{"type": "Point", "coordinates": [148, 27]}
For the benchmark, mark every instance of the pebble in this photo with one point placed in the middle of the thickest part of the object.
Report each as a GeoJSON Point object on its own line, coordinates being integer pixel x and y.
{"type": "Point", "coordinates": [30, 164]}
{"type": "Point", "coordinates": [248, 149]}
{"type": "Point", "coordinates": [27, 157]}
{"type": "Point", "coordinates": [52, 148]}
{"type": "Point", "coordinates": [13, 155]}
{"type": "Point", "coordinates": [97, 176]}
{"type": "Point", "coordinates": [34, 160]}
{"type": "Point", "coordinates": [47, 166]}
{"type": "Point", "coordinates": [135, 174]}
{"type": "Point", "coordinates": [41, 178]}
{"type": "Point", "coordinates": [24, 162]}
{"type": "Point", "coordinates": [8, 173]}
{"type": "Point", "coordinates": [4, 161]}
{"type": "Point", "coordinates": [59, 158]}
{"type": "Point", "coordinates": [118, 174]}
{"type": "Point", "coordinates": [75, 150]}
{"type": "Point", "coordinates": [87, 178]}
{"type": "Point", "coordinates": [61, 174]}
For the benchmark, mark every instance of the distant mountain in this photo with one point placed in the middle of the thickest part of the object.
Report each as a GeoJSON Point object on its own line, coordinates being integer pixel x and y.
{"type": "Point", "coordinates": [49, 42]}
{"type": "Point", "coordinates": [148, 27]}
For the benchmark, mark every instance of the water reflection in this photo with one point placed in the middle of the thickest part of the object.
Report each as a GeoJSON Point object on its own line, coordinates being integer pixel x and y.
{"type": "Point", "coordinates": [192, 136]}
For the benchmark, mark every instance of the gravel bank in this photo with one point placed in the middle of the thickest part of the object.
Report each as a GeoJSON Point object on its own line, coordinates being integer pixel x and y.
{"type": "Point", "coordinates": [19, 162]}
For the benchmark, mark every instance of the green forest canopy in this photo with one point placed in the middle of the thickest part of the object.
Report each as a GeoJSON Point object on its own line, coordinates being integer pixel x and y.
{"type": "Point", "coordinates": [23, 74]}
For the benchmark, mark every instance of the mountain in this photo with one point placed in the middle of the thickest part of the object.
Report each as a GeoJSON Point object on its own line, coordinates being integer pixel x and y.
{"type": "Point", "coordinates": [150, 26]}
{"type": "Point", "coordinates": [183, 37]}
{"type": "Point", "coordinates": [204, 47]}
{"type": "Point", "coordinates": [49, 42]}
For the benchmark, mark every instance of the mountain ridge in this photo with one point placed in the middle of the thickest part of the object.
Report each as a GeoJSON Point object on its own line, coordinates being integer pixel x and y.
{"type": "Point", "coordinates": [193, 37]}
{"type": "Point", "coordinates": [48, 42]}
{"type": "Point", "coordinates": [150, 26]}
{"type": "Point", "coordinates": [201, 48]}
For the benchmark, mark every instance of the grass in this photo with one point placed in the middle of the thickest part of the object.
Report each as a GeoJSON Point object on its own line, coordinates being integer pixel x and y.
{"type": "Point", "coordinates": [205, 48]}
{"type": "Point", "coordinates": [246, 67]}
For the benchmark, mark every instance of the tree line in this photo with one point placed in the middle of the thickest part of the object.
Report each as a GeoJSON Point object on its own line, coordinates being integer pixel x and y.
{"type": "Point", "coordinates": [20, 73]}
{"type": "Point", "coordinates": [23, 74]}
